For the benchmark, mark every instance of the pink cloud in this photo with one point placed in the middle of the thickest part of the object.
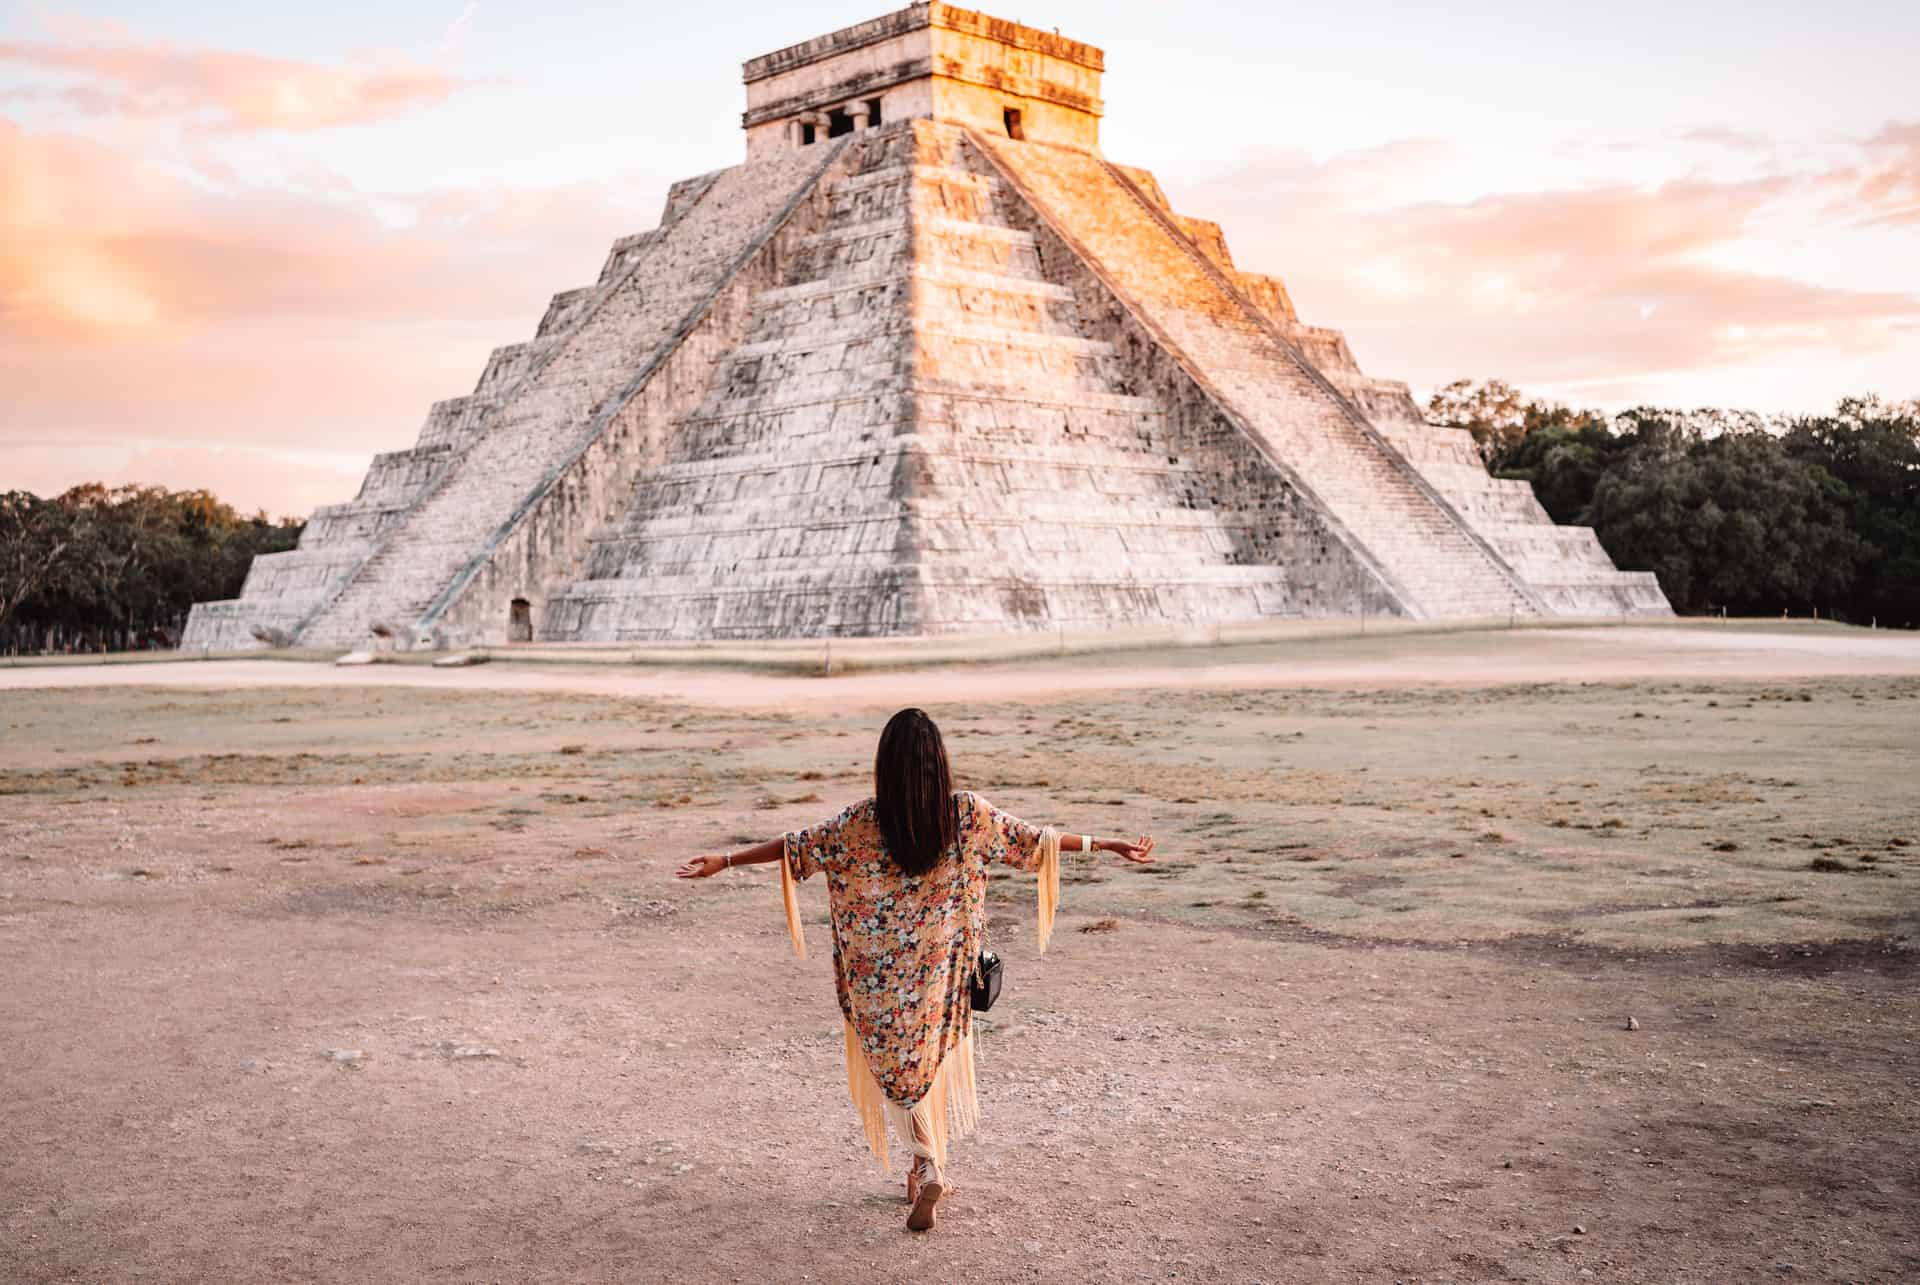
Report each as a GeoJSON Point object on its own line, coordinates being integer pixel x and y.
{"type": "Point", "coordinates": [92, 238]}
{"type": "Point", "coordinates": [1890, 185]}
{"type": "Point", "coordinates": [1608, 284]}
{"type": "Point", "coordinates": [228, 90]}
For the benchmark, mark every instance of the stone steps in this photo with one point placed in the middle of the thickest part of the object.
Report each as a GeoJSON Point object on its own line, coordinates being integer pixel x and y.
{"type": "Point", "coordinates": [1566, 564]}
{"type": "Point", "coordinates": [937, 274]}
{"type": "Point", "coordinates": [1012, 456]}
{"type": "Point", "coordinates": [1370, 490]}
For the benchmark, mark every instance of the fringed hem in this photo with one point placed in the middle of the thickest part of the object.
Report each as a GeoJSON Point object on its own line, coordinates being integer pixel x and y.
{"type": "Point", "coordinates": [789, 893]}
{"type": "Point", "coordinates": [949, 1109]}
{"type": "Point", "coordinates": [1048, 893]}
{"type": "Point", "coordinates": [869, 1101]}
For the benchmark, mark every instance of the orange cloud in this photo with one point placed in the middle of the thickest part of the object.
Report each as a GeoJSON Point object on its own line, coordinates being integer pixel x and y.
{"type": "Point", "coordinates": [251, 326]}
{"type": "Point", "coordinates": [227, 90]}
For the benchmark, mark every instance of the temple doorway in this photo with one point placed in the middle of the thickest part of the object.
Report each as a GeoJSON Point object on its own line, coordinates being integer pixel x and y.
{"type": "Point", "coordinates": [520, 621]}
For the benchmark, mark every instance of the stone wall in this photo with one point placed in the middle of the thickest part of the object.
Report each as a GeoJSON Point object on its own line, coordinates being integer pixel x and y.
{"type": "Point", "coordinates": [434, 514]}
{"type": "Point", "coordinates": [774, 510]}
{"type": "Point", "coordinates": [1564, 567]}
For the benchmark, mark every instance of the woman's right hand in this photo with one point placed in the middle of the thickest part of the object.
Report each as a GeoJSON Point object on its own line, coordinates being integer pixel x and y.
{"type": "Point", "coordinates": [702, 867]}
{"type": "Point", "coordinates": [1139, 851]}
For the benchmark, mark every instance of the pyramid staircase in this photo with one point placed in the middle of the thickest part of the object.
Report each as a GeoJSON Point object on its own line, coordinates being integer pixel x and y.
{"type": "Point", "coordinates": [917, 435]}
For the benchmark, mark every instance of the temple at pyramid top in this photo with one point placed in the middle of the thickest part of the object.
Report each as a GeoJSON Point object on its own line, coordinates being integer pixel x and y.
{"type": "Point", "coordinates": [931, 62]}
{"type": "Point", "coordinates": [926, 362]}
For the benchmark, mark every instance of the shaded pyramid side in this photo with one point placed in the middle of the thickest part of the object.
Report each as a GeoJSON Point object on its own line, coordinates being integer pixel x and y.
{"type": "Point", "coordinates": [918, 437]}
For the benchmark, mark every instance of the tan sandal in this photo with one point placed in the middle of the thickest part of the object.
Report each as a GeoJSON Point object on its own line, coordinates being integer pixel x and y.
{"type": "Point", "coordinates": [913, 1183]}
{"type": "Point", "coordinates": [926, 1195]}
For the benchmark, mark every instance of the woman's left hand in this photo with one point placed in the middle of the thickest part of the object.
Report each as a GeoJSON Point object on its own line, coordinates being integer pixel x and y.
{"type": "Point", "coordinates": [1139, 851]}
{"type": "Point", "coordinates": [702, 867]}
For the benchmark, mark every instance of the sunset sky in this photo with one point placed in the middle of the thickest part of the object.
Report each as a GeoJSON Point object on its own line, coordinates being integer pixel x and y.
{"type": "Point", "coordinates": [245, 246]}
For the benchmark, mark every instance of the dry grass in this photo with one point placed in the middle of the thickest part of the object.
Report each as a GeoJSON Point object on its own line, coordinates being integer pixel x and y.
{"type": "Point", "coordinates": [1652, 815]}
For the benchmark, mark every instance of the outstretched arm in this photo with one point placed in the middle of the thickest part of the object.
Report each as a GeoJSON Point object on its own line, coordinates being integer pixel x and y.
{"type": "Point", "coordinates": [706, 866]}
{"type": "Point", "coordinates": [1140, 850]}
{"type": "Point", "coordinates": [1043, 857]}
{"type": "Point", "coordinates": [713, 863]}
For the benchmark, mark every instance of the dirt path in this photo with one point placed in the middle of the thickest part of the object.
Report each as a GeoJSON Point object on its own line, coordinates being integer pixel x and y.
{"type": "Point", "coordinates": [1457, 660]}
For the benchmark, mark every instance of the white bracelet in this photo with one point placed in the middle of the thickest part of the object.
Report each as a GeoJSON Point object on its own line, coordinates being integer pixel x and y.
{"type": "Point", "coordinates": [1086, 843]}
{"type": "Point", "coordinates": [728, 858]}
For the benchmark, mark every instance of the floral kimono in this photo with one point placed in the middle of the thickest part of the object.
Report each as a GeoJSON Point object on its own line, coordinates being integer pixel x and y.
{"type": "Point", "coordinates": [903, 953]}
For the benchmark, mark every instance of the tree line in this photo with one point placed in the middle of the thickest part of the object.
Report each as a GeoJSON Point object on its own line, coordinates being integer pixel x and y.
{"type": "Point", "coordinates": [98, 569]}
{"type": "Point", "coordinates": [1734, 511]}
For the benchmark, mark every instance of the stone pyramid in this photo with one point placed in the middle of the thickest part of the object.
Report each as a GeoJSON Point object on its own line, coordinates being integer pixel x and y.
{"type": "Point", "coordinates": [925, 363]}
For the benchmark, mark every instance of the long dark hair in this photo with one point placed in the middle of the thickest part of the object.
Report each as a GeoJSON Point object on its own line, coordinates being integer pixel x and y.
{"type": "Point", "coordinates": [913, 792]}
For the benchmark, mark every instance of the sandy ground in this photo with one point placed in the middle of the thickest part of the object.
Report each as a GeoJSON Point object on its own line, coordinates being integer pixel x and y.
{"type": "Point", "coordinates": [381, 974]}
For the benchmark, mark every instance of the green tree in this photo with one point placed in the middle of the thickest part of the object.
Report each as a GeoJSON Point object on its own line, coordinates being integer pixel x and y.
{"type": "Point", "coordinates": [35, 537]}
{"type": "Point", "coordinates": [1717, 508]}
{"type": "Point", "coordinates": [1502, 419]}
{"type": "Point", "coordinates": [1565, 463]}
{"type": "Point", "coordinates": [1492, 410]}
{"type": "Point", "coordinates": [99, 567]}
{"type": "Point", "coordinates": [1873, 448]}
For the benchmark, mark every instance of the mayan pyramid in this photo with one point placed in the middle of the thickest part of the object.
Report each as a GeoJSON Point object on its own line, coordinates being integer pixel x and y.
{"type": "Point", "coordinates": [925, 363]}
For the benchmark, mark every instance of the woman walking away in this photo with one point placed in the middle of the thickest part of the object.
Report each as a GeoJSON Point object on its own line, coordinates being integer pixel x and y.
{"type": "Point", "coordinates": [907, 891]}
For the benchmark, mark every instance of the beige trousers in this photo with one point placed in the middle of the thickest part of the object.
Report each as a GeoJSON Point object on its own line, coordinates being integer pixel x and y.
{"type": "Point", "coordinates": [913, 1130]}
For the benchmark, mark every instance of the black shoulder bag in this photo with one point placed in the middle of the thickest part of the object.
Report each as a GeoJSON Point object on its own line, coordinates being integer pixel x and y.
{"type": "Point", "coordinates": [986, 981]}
